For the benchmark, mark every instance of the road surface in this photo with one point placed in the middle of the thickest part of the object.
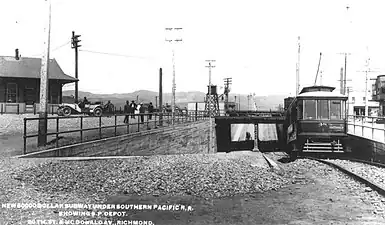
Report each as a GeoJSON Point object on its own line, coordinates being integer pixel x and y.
{"type": "Point", "coordinates": [266, 132]}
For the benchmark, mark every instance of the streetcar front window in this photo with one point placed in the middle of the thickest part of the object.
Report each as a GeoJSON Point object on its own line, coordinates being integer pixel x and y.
{"type": "Point", "coordinates": [335, 109]}
{"type": "Point", "coordinates": [323, 109]}
{"type": "Point", "coordinates": [300, 109]}
{"type": "Point", "coordinates": [310, 109]}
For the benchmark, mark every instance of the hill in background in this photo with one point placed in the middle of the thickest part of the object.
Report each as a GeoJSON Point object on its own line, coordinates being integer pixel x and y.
{"type": "Point", "coordinates": [181, 98]}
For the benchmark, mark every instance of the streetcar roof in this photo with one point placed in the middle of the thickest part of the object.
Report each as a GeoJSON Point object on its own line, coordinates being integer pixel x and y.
{"type": "Point", "coordinates": [321, 94]}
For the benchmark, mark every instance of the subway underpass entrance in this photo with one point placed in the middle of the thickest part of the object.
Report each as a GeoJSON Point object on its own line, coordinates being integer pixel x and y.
{"type": "Point", "coordinates": [254, 133]}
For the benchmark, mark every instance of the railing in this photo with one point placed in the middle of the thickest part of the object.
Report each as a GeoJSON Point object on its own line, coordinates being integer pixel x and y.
{"type": "Point", "coordinates": [158, 120]}
{"type": "Point", "coordinates": [367, 126]}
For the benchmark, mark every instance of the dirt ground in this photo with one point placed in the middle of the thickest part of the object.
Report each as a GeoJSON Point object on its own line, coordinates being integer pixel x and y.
{"type": "Point", "coordinates": [317, 202]}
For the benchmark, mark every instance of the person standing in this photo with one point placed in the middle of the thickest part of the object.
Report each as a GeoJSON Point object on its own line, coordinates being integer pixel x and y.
{"type": "Point", "coordinates": [132, 109]}
{"type": "Point", "coordinates": [142, 110]}
{"type": "Point", "coordinates": [150, 110]}
{"type": "Point", "coordinates": [126, 112]}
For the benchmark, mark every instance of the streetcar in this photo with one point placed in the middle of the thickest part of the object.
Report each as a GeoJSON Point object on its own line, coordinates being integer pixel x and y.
{"type": "Point", "coordinates": [315, 121]}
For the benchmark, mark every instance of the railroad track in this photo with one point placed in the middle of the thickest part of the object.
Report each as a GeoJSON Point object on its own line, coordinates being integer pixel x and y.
{"type": "Point", "coordinates": [369, 173]}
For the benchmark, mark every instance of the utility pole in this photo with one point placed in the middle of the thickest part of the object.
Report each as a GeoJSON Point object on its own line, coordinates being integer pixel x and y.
{"type": "Point", "coordinates": [227, 90]}
{"type": "Point", "coordinates": [343, 81]}
{"type": "Point", "coordinates": [345, 69]}
{"type": "Point", "coordinates": [160, 98]}
{"type": "Point", "coordinates": [239, 100]}
{"type": "Point", "coordinates": [156, 101]}
{"type": "Point", "coordinates": [173, 74]}
{"type": "Point", "coordinates": [210, 105]}
{"type": "Point", "coordinates": [75, 45]}
{"type": "Point", "coordinates": [44, 81]}
{"type": "Point", "coordinates": [368, 70]}
{"type": "Point", "coordinates": [298, 65]}
{"type": "Point", "coordinates": [348, 89]}
{"type": "Point", "coordinates": [235, 100]}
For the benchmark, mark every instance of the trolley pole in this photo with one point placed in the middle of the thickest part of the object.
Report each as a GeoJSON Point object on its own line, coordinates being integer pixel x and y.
{"type": "Point", "coordinates": [210, 100]}
{"type": "Point", "coordinates": [44, 76]}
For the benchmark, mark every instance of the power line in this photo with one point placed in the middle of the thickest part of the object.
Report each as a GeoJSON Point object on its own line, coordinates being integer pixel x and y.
{"type": "Point", "coordinates": [57, 48]}
{"type": "Point", "coordinates": [114, 54]}
{"type": "Point", "coordinates": [61, 46]}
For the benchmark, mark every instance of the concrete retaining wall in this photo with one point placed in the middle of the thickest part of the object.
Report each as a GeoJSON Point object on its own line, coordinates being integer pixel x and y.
{"type": "Point", "coordinates": [366, 149]}
{"type": "Point", "coordinates": [188, 138]}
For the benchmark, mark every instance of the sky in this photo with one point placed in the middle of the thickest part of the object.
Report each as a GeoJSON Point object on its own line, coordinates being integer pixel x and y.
{"type": "Point", "coordinates": [253, 42]}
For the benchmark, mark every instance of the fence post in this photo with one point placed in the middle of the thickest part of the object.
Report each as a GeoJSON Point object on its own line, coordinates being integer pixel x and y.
{"type": "Point", "coordinates": [373, 128]}
{"type": "Point", "coordinates": [18, 109]}
{"type": "Point", "coordinates": [57, 132]}
{"type": "Point", "coordinates": [128, 122]}
{"type": "Point", "coordinates": [24, 136]}
{"type": "Point", "coordinates": [384, 132]}
{"type": "Point", "coordinates": [354, 124]}
{"type": "Point", "coordinates": [100, 127]}
{"type": "Point", "coordinates": [138, 122]}
{"type": "Point", "coordinates": [196, 111]}
{"type": "Point", "coordinates": [115, 124]}
{"type": "Point", "coordinates": [147, 121]}
{"type": "Point", "coordinates": [362, 123]}
{"type": "Point", "coordinates": [81, 129]}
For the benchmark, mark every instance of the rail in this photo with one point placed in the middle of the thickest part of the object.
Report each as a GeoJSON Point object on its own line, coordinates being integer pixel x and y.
{"type": "Point", "coordinates": [367, 126]}
{"type": "Point", "coordinates": [144, 120]}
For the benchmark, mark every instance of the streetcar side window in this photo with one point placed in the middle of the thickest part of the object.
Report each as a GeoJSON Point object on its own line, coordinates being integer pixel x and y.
{"type": "Point", "coordinates": [343, 110]}
{"type": "Point", "coordinates": [322, 109]}
{"type": "Point", "coordinates": [335, 109]}
{"type": "Point", "coordinates": [310, 109]}
{"type": "Point", "coordinates": [300, 109]}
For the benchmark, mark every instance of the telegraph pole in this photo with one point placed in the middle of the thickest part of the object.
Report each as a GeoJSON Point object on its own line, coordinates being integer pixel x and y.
{"type": "Point", "coordinates": [368, 70]}
{"type": "Point", "coordinates": [156, 101]}
{"type": "Point", "coordinates": [160, 98]}
{"type": "Point", "coordinates": [75, 45]}
{"type": "Point", "coordinates": [345, 69]}
{"type": "Point", "coordinates": [227, 90]}
{"type": "Point", "coordinates": [44, 77]}
{"type": "Point", "coordinates": [173, 74]}
{"type": "Point", "coordinates": [298, 63]}
{"type": "Point", "coordinates": [210, 105]}
{"type": "Point", "coordinates": [235, 100]}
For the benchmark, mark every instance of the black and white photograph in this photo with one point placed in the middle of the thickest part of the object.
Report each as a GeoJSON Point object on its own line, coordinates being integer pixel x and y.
{"type": "Point", "coordinates": [171, 112]}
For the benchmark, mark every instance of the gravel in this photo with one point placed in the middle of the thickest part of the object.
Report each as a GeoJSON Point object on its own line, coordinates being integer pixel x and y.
{"type": "Point", "coordinates": [203, 176]}
{"type": "Point", "coordinates": [298, 168]}
{"type": "Point", "coordinates": [198, 175]}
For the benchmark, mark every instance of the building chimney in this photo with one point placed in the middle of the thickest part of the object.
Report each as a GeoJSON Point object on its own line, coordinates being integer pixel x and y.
{"type": "Point", "coordinates": [17, 54]}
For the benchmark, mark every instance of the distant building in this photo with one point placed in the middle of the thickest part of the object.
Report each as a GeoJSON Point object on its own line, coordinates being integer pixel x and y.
{"type": "Point", "coordinates": [201, 106]}
{"type": "Point", "coordinates": [20, 84]}
{"type": "Point", "coordinates": [356, 103]}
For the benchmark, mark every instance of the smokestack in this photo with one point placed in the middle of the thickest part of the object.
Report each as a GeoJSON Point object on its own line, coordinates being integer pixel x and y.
{"type": "Point", "coordinates": [17, 57]}
{"type": "Point", "coordinates": [342, 91]}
